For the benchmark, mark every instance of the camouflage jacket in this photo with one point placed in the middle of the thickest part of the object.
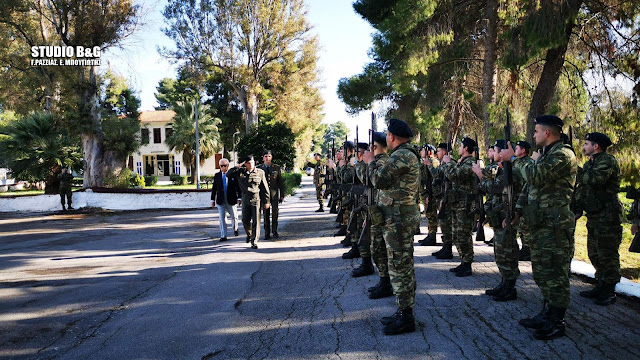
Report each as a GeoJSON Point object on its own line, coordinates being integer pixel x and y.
{"type": "Point", "coordinates": [397, 178]}
{"type": "Point", "coordinates": [65, 181]}
{"type": "Point", "coordinates": [361, 171]}
{"type": "Point", "coordinates": [319, 172]}
{"type": "Point", "coordinates": [598, 184]}
{"type": "Point", "coordinates": [463, 180]}
{"type": "Point", "coordinates": [551, 177]}
{"type": "Point", "coordinates": [518, 181]}
{"type": "Point", "coordinates": [348, 173]}
{"type": "Point", "coordinates": [492, 184]}
{"type": "Point", "coordinates": [437, 174]}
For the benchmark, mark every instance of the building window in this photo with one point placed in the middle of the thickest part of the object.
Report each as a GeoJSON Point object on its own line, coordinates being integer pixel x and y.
{"type": "Point", "coordinates": [167, 132]}
{"type": "Point", "coordinates": [144, 136]}
{"type": "Point", "coordinates": [157, 137]}
{"type": "Point", "coordinates": [139, 167]}
{"type": "Point", "coordinates": [177, 167]}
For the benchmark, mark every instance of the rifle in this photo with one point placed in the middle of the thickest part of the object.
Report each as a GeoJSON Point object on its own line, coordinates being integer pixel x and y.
{"type": "Point", "coordinates": [365, 236]}
{"type": "Point", "coordinates": [343, 204]}
{"type": "Point", "coordinates": [479, 201]}
{"type": "Point", "coordinates": [634, 215]}
{"type": "Point", "coordinates": [441, 210]}
{"type": "Point", "coordinates": [507, 168]}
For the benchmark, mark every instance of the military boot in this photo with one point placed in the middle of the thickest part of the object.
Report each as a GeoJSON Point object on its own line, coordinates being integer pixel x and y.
{"type": "Point", "coordinates": [402, 323]}
{"type": "Point", "coordinates": [537, 321]}
{"type": "Point", "coordinates": [320, 209]}
{"type": "Point", "coordinates": [384, 290]}
{"type": "Point", "coordinates": [436, 253]}
{"type": "Point", "coordinates": [353, 253]}
{"type": "Point", "coordinates": [607, 295]}
{"type": "Point", "coordinates": [346, 242]}
{"type": "Point", "coordinates": [446, 253]}
{"type": "Point", "coordinates": [342, 231]}
{"type": "Point", "coordinates": [366, 268]}
{"type": "Point", "coordinates": [496, 290]}
{"type": "Point", "coordinates": [593, 293]}
{"type": "Point", "coordinates": [465, 270]}
{"type": "Point", "coordinates": [457, 268]}
{"type": "Point", "coordinates": [374, 287]}
{"type": "Point", "coordinates": [389, 319]}
{"type": "Point", "coordinates": [525, 254]}
{"type": "Point", "coordinates": [554, 327]}
{"type": "Point", "coordinates": [508, 292]}
{"type": "Point", "coordinates": [430, 240]}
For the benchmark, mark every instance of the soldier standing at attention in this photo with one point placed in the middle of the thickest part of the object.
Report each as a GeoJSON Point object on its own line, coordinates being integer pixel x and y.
{"type": "Point", "coordinates": [378, 247]}
{"type": "Point", "coordinates": [255, 191]}
{"type": "Point", "coordinates": [444, 214]}
{"type": "Point", "coordinates": [319, 172]}
{"type": "Point", "coordinates": [65, 178]}
{"type": "Point", "coordinates": [491, 183]}
{"type": "Point", "coordinates": [430, 204]}
{"type": "Point", "coordinates": [463, 194]}
{"type": "Point", "coordinates": [550, 180]}
{"type": "Point", "coordinates": [273, 174]}
{"type": "Point", "coordinates": [398, 182]}
{"type": "Point", "coordinates": [598, 184]}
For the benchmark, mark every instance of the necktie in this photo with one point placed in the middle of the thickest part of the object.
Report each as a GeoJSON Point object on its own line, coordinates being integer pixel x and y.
{"type": "Point", "coordinates": [224, 183]}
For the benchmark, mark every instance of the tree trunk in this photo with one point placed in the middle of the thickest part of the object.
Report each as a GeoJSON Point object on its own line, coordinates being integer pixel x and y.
{"type": "Point", "coordinates": [554, 60]}
{"type": "Point", "coordinates": [251, 112]}
{"type": "Point", "coordinates": [92, 141]}
{"type": "Point", "coordinates": [113, 162]}
{"type": "Point", "coordinates": [489, 72]}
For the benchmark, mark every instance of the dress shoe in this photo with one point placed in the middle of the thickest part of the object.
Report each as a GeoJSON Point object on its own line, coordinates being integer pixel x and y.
{"type": "Point", "coordinates": [223, 239]}
{"type": "Point", "coordinates": [320, 210]}
{"type": "Point", "coordinates": [236, 232]}
{"type": "Point", "coordinates": [254, 246]}
{"type": "Point", "coordinates": [276, 235]}
{"type": "Point", "coordinates": [267, 237]}
{"type": "Point", "coordinates": [248, 239]}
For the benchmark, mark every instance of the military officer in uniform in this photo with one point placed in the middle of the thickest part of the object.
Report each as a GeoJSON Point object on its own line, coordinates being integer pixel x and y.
{"type": "Point", "coordinates": [319, 172]}
{"type": "Point", "coordinates": [440, 186]}
{"type": "Point", "coordinates": [398, 181]}
{"type": "Point", "coordinates": [550, 182]}
{"type": "Point", "coordinates": [255, 192]}
{"type": "Point", "coordinates": [463, 194]}
{"type": "Point", "coordinates": [65, 178]}
{"type": "Point", "coordinates": [598, 184]}
{"type": "Point", "coordinates": [273, 174]}
{"type": "Point", "coordinates": [430, 205]}
{"type": "Point", "coordinates": [523, 148]}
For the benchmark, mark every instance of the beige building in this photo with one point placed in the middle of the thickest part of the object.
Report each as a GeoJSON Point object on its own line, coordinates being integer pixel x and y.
{"type": "Point", "coordinates": [155, 158]}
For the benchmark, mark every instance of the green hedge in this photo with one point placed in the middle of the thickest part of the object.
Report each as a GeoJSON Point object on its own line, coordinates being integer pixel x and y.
{"type": "Point", "coordinates": [291, 182]}
{"type": "Point", "coordinates": [178, 179]}
{"type": "Point", "coordinates": [150, 180]}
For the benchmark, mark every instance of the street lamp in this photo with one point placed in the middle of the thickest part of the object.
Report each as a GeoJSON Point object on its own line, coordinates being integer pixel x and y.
{"type": "Point", "coordinates": [188, 90]}
{"type": "Point", "coordinates": [233, 141]}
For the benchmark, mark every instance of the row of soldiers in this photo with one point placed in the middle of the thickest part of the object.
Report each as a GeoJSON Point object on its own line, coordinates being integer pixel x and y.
{"type": "Point", "coordinates": [547, 194]}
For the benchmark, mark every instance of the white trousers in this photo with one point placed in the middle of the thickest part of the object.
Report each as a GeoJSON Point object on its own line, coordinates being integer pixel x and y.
{"type": "Point", "coordinates": [222, 210]}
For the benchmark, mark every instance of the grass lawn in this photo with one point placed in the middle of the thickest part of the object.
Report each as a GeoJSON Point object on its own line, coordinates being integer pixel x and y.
{"type": "Point", "coordinates": [176, 187]}
{"type": "Point", "coordinates": [22, 192]}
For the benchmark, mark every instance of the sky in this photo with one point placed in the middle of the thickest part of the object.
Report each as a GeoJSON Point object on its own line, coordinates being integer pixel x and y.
{"type": "Point", "coordinates": [344, 36]}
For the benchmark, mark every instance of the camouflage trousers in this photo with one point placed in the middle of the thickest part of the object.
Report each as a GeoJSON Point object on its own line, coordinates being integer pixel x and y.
{"type": "Point", "coordinates": [400, 224]}
{"type": "Point", "coordinates": [346, 215]}
{"type": "Point", "coordinates": [364, 242]}
{"type": "Point", "coordinates": [65, 192]}
{"type": "Point", "coordinates": [603, 244]}
{"type": "Point", "coordinates": [462, 225]}
{"type": "Point", "coordinates": [446, 225]}
{"type": "Point", "coordinates": [552, 247]}
{"type": "Point", "coordinates": [379, 250]}
{"type": "Point", "coordinates": [431, 212]}
{"type": "Point", "coordinates": [506, 251]}
{"type": "Point", "coordinates": [320, 195]}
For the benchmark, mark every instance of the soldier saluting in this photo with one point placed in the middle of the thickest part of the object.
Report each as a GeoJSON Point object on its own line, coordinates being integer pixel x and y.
{"type": "Point", "coordinates": [550, 180]}
{"type": "Point", "coordinates": [598, 184]}
{"type": "Point", "coordinates": [398, 182]}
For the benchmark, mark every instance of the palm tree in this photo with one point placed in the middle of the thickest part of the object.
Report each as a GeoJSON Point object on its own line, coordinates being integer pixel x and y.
{"type": "Point", "coordinates": [36, 147]}
{"type": "Point", "coordinates": [183, 137]}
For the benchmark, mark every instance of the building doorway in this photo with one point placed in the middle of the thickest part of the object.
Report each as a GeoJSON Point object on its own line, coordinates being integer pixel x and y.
{"type": "Point", "coordinates": [164, 165]}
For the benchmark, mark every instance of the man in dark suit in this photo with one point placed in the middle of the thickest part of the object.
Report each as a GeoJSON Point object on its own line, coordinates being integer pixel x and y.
{"type": "Point", "coordinates": [273, 173]}
{"type": "Point", "coordinates": [224, 196]}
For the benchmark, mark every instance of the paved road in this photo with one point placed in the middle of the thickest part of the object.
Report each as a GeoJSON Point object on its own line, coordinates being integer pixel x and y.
{"type": "Point", "coordinates": [158, 285]}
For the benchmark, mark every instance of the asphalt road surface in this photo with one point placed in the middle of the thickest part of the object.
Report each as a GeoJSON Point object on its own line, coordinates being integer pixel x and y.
{"type": "Point", "coordinates": [159, 285]}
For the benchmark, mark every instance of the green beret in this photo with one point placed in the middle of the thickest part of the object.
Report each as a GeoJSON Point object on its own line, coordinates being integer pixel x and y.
{"type": "Point", "coordinates": [399, 128]}
{"type": "Point", "coordinates": [599, 138]}
{"type": "Point", "coordinates": [524, 144]}
{"type": "Point", "coordinates": [469, 143]}
{"type": "Point", "coordinates": [549, 120]}
{"type": "Point", "coordinates": [380, 138]}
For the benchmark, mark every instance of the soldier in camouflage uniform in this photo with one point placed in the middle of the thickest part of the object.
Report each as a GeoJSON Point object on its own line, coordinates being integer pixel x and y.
{"type": "Point", "coordinates": [550, 180]}
{"type": "Point", "coordinates": [349, 176]}
{"type": "Point", "coordinates": [427, 194]}
{"type": "Point", "coordinates": [464, 189]}
{"type": "Point", "coordinates": [319, 172]}
{"type": "Point", "coordinates": [491, 183]}
{"type": "Point", "coordinates": [378, 248]}
{"type": "Point", "coordinates": [398, 182]}
{"type": "Point", "coordinates": [598, 184]}
{"type": "Point", "coordinates": [439, 186]}
{"type": "Point", "coordinates": [522, 158]}
{"type": "Point", "coordinates": [362, 241]}
{"type": "Point", "coordinates": [65, 178]}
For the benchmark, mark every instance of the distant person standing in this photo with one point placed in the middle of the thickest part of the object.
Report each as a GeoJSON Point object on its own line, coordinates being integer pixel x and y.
{"type": "Point", "coordinates": [224, 196]}
{"type": "Point", "coordinates": [255, 191]}
{"type": "Point", "coordinates": [273, 174]}
{"type": "Point", "coordinates": [319, 173]}
{"type": "Point", "coordinates": [65, 178]}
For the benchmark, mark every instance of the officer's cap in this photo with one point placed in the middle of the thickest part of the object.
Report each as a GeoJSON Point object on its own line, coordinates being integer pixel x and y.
{"type": "Point", "coordinates": [363, 146]}
{"type": "Point", "coordinates": [380, 138]}
{"type": "Point", "coordinates": [549, 120]}
{"type": "Point", "coordinates": [349, 145]}
{"type": "Point", "coordinates": [267, 152]}
{"type": "Point", "coordinates": [445, 146]}
{"type": "Point", "coordinates": [399, 128]}
{"type": "Point", "coordinates": [469, 143]}
{"type": "Point", "coordinates": [524, 144]}
{"type": "Point", "coordinates": [599, 138]}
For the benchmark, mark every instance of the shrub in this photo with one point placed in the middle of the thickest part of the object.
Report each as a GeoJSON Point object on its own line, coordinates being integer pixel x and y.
{"type": "Point", "coordinates": [138, 181]}
{"type": "Point", "coordinates": [178, 179]}
{"type": "Point", "coordinates": [118, 181]}
{"type": "Point", "coordinates": [150, 180]}
{"type": "Point", "coordinates": [291, 182]}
